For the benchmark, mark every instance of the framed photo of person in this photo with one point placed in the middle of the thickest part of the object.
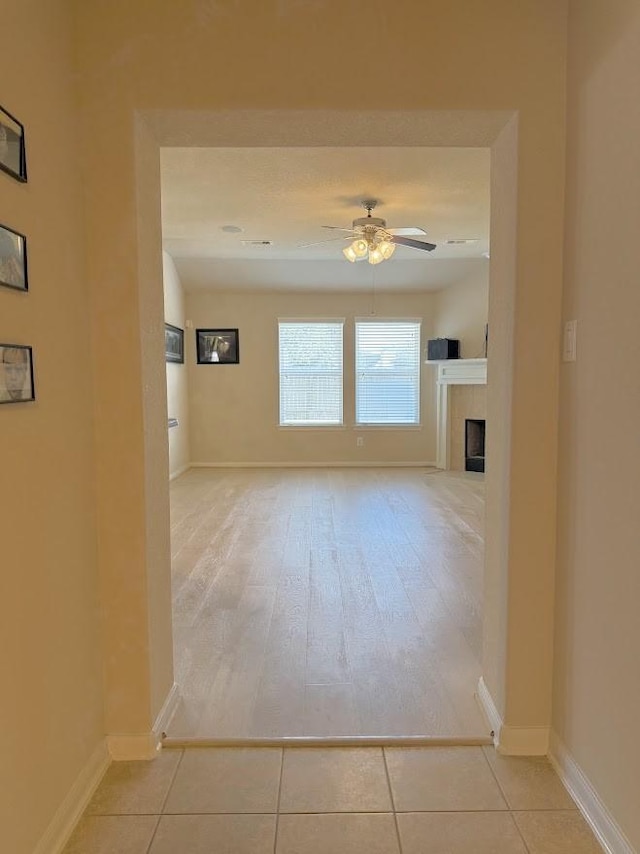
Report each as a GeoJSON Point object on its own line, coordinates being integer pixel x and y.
{"type": "Point", "coordinates": [13, 259]}
{"type": "Point", "coordinates": [173, 343]}
{"type": "Point", "coordinates": [12, 153]}
{"type": "Point", "coordinates": [16, 374]}
{"type": "Point", "coordinates": [217, 346]}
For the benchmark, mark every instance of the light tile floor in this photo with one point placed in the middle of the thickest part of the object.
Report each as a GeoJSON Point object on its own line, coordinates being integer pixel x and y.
{"type": "Point", "coordinates": [440, 800]}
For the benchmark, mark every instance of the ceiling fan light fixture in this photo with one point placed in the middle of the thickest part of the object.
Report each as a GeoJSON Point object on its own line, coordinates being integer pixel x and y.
{"type": "Point", "coordinates": [349, 254]}
{"type": "Point", "coordinates": [371, 240]}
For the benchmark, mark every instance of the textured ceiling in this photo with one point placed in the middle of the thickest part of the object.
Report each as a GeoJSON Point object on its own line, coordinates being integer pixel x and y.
{"type": "Point", "coordinates": [286, 195]}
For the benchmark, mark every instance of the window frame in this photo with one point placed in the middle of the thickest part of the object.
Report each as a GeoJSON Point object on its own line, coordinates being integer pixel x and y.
{"type": "Point", "coordinates": [415, 374]}
{"type": "Point", "coordinates": [311, 425]}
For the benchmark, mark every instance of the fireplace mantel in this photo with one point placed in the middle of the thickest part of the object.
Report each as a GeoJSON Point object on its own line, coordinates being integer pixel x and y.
{"type": "Point", "coordinates": [461, 371]}
{"type": "Point", "coordinates": [453, 372]}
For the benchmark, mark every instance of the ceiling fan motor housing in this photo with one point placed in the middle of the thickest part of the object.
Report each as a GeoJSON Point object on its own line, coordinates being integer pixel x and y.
{"type": "Point", "coordinates": [366, 221]}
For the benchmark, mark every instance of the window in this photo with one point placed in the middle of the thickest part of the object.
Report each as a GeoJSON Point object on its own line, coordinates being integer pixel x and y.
{"type": "Point", "coordinates": [388, 372]}
{"type": "Point", "coordinates": [310, 373]}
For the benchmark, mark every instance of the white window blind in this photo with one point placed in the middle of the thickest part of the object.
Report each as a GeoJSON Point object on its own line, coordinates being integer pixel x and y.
{"type": "Point", "coordinates": [388, 372]}
{"type": "Point", "coordinates": [310, 372]}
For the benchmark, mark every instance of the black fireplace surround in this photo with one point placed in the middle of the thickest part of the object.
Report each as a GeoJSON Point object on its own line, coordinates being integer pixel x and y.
{"type": "Point", "coordinates": [474, 433]}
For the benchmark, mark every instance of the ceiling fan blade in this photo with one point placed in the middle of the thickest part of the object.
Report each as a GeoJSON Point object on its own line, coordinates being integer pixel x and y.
{"type": "Point", "coordinates": [337, 228]}
{"type": "Point", "coordinates": [321, 242]}
{"type": "Point", "coordinates": [409, 231]}
{"type": "Point", "coordinates": [414, 244]}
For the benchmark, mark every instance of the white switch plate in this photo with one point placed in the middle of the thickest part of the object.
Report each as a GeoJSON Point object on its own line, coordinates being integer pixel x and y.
{"type": "Point", "coordinates": [569, 341]}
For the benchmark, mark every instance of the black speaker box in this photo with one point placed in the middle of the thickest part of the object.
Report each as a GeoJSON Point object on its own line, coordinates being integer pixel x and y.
{"type": "Point", "coordinates": [443, 348]}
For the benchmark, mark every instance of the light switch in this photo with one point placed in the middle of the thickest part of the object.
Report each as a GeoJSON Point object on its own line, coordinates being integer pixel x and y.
{"type": "Point", "coordinates": [569, 341]}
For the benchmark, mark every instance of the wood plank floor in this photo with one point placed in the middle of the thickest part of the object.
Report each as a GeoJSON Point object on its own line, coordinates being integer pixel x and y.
{"type": "Point", "coordinates": [330, 602]}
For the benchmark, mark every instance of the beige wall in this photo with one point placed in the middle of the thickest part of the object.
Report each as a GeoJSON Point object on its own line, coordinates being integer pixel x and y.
{"type": "Point", "coordinates": [138, 62]}
{"type": "Point", "coordinates": [164, 56]}
{"type": "Point", "coordinates": [50, 648]}
{"type": "Point", "coordinates": [177, 383]}
{"type": "Point", "coordinates": [234, 409]}
{"type": "Point", "coordinates": [462, 311]}
{"type": "Point", "coordinates": [597, 671]}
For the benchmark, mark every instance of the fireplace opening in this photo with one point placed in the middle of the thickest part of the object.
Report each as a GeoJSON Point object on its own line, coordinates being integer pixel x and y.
{"type": "Point", "coordinates": [474, 430]}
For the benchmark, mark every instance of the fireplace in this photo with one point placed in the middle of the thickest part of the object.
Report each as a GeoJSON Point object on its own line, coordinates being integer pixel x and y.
{"type": "Point", "coordinates": [474, 430]}
{"type": "Point", "coordinates": [458, 378]}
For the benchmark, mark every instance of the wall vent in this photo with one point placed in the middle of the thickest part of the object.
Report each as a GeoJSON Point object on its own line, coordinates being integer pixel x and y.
{"type": "Point", "coordinates": [462, 240]}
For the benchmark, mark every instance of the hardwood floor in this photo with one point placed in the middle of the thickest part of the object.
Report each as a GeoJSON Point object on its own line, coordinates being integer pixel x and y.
{"type": "Point", "coordinates": [327, 602]}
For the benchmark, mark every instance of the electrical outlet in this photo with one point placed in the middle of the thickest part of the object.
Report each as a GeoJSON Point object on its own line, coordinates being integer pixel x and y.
{"type": "Point", "coordinates": [359, 442]}
{"type": "Point", "coordinates": [569, 341]}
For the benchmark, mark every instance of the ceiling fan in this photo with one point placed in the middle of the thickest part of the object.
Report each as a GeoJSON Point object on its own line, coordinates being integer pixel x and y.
{"type": "Point", "coordinates": [373, 241]}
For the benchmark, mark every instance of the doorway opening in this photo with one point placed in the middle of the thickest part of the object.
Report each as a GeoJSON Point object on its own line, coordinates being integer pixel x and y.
{"type": "Point", "coordinates": [495, 129]}
{"type": "Point", "coordinates": [339, 591]}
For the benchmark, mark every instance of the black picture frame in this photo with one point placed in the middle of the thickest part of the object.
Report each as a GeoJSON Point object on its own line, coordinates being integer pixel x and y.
{"type": "Point", "coordinates": [13, 158]}
{"type": "Point", "coordinates": [217, 347]}
{"type": "Point", "coordinates": [13, 259]}
{"type": "Point", "coordinates": [16, 374]}
{"type": "Point", "coordinates": [173, 344]}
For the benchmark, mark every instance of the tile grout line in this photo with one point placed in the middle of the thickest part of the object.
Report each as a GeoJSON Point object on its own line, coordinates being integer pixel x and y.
{"type": "Point", "coordinates": [393, 804]}
{"type": "Point", "coordinates": [506, 799]}
{"type": "Point", "coordinates": [164, 801]}
{"type": "Point", "coordinates": [495, 777]}
{"type": "Point", "coordinates": [275, 836]}
{"type": "Point", "coordinates": [173, 779]}
{"type": "Point", "coordinates": [520, 833]}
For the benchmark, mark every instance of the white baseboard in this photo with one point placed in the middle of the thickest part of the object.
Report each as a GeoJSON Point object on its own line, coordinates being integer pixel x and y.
{"type": "Point", "coordinates": [125, 747]}
{"type": "Point", "coordinates": [488, 707]}
{"type": "Point", "coordinates": [604, 826]}
{"type": "Point", "coordinates": [512, 740]}
{"type": "Point", "coordinates": [523, 740]}
{"type": "Point", "coordinates": [314, 465]}
{"type": "Point", "coordinates": [70, 810]}
{"type": "Point", "coordinates": [179, 471]}
{"type": "Point", "coordinates": [144, 745]}
{"type": "Point", "coordinates": [167, 712]}
{"type": "Point", "coordinates": [114, 747]}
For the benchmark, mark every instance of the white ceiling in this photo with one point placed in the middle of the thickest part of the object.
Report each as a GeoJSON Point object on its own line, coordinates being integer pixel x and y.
{"type": "Point", "coordinates": [286, 195]}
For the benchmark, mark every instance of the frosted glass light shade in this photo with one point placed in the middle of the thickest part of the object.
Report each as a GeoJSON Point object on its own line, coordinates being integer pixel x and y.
{"type": "Point", "coordinates": [360, 247]}
{"type": "Point", "coordinates": [375, 256]}
{"type": "Point", "coordinates": [349, 254]}
{"type": "Point", "coordinates": [387, 248]}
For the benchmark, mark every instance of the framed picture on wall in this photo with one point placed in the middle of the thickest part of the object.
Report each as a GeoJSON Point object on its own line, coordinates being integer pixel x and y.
{"type": "Point", "coordinates": [12, 154]}
{"type": "Point", "coordinates": [217, 346]}
{"type": "Point", "coordinates": [13, 259]}
{"type": "Point", "coordinates": [16, 374]}
{"type": "Point", "coordinates": [173, 343]}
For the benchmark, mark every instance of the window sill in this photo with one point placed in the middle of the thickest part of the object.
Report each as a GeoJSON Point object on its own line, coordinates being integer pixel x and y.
{"type": "Point", "coordinates": [306, 427]}
{"type": "Point", "coordinates": [361, 427]}
{"type": "Point", "coordinates": [339, 427]}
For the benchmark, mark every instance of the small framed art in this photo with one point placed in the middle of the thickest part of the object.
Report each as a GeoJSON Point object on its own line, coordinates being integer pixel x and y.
{"type": "Point", "coordinates": [173, 343]}
{"type": "Point", "coordinates": [16, 374]}
{"type": "Point", "coordinates": [13, 259]}
{"type": "Point", "coordinates": [12, 153]}
{"type": "Point", "coordinates": [217, 346]}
